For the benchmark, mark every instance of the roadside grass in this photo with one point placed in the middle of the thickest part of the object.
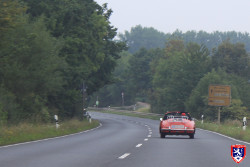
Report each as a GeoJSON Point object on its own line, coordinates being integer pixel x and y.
{"type": "Point", "coordinates": [28, 132]}
{"type": "Point", "coordinates": [144, 110]}
{"type": "Point", "coordinates": [229, 128]}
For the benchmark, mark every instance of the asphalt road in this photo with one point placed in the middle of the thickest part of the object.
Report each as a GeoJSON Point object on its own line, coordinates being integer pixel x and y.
{"type": "Point", "coordinates": [123, 141]}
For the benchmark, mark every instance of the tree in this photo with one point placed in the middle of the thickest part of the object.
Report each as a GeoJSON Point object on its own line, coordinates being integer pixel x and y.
{"type": "Point", "coordinates": [235, 111]}
{"type": "Point", "coordinates": [177, 75]}
{"type": "Point", "coordinates": [143, 37]}
{"type": "Point", "coordinates": [10, 11]}
{"type": "Point", "coordinates": [110, 95]}
{"type": "Point", "coordinates": [211, 40]}
{"type": "Point", "coordinates": [197, 103]}
{"type": "Point", "coordinates": [133, 77]}
{"type": "Point", "coordinates": [89, 49]}
{"type": "Point", "coordinates": [138, 77]}
{"type": "Point", "coordinates": [233, 58]}
{"type": "Point", "coordinates": [30, 70]}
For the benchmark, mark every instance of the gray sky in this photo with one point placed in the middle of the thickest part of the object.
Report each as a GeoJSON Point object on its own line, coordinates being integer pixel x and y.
{"type": "Point", "coordinates": [185, 15]}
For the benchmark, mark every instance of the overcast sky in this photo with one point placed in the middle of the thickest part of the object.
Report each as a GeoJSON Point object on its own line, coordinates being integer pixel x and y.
{"type": "Point", "coordinates": [185, 15]}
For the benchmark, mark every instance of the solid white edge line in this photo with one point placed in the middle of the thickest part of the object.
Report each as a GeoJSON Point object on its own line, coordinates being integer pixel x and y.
{"type": "Point", "coordinates": [138, 145]}
{"type": "Point", "coordinates": [124, 156]}
{"type": "Point", "coordinates": [52, 138]}
{"type": "Point", "coordinates": [225, 136]}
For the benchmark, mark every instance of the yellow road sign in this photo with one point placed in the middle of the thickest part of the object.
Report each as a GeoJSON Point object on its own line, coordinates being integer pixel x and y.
{"type": "Point", "coordinates": [219, 95]}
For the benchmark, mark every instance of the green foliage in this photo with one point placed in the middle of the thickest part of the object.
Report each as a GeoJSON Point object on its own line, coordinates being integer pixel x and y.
{"type": "Point", "coordinates": [46, 54]}
{"type": "Point", "coordinates": [111, 93]}
{"type": "Point", "coordinates": [212, 40]}
{"type": "Point", "coordinates": [89, 49]}
{"type": "Point", "coordinates": [25, 132]}
{"type": "Point", "coordinates": [10, 11]}
{"type": "Point", "coordinates": [234, 111]}
{"type": "Point", "coordinates": [143, 37]}
{"type": "Point", "coordinates": [3, 116]}
{"type": "Point", "coordinates": [149, 38]}
{"type": "Point", "coordinates": [179, 78]}
{"type": "Point", "coordinates": [30, 67]}
{"type": "Point", "coordinates": [197, 103]}
{"type": "Point", "coordinates": [139, 75]}
{"type": "Point", "coordinates": [9, 106]}
{"type": "Point", "coordinates": [177, 75]}
{"type": "Point", "coordinates": [243, 89]}
{"type": "Point", "coordinates": [230, 128]}
{"type": "Point", "coordinates": [233, 58]}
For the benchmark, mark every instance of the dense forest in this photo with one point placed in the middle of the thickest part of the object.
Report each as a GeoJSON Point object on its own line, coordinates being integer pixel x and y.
{"type": "Point", "coordinates": [49, 50]}
{"type": "Point", "coordinates": [174, 71]}
{"type": "Point", "coordinates": [52, 52]}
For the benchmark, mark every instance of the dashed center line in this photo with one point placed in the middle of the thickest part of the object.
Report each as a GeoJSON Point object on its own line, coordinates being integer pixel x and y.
{"type": "Point", "coordinates": [139, 145]}
{"type": "Point", "coordinates": [149, 135]}
{"type": "Point", "coordinates": [145, 139]}
{"type": "Point", "coordinates": [124, 156]}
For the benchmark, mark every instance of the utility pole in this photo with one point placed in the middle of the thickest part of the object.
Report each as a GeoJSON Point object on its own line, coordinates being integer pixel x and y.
{"type": "Point", "coordinates": [219, 115]}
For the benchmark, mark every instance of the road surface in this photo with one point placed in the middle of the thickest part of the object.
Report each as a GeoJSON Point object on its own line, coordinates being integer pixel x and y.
{"type": "Point", "coordinates": [123, 141]}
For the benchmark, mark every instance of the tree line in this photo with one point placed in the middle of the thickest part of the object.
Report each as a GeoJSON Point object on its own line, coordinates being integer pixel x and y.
{"type": "Point", "coordinates": [48, 50]}
{"type": "Point", "coordinates": [177, 76]}
{"type": "Point", "coordinates": [149, 38]}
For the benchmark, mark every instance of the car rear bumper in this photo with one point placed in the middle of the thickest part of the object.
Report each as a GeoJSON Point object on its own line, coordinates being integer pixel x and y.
{"type": "Point", "coordinates": [177, 131]}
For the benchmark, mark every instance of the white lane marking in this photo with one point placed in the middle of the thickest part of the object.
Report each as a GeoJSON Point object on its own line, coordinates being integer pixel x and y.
{"type": "Point", "coordinates": [145, 139]}
{"type": "Point", "coordinates": [52, 138]}
{"type": "Point", "coordinates": [146, 125]}
{"type": "Point", "coordinates": [149, 135]}
{"type": "Point", "coordinates": [124, 156]}
{"type": "Point", "coordinates": [138, 145]}
{"type": "Point", "coordinates": [225, 136]}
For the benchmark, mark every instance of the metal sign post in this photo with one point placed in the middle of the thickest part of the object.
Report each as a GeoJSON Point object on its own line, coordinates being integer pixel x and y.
{"type": "Point", "coordinates": [219, 115]}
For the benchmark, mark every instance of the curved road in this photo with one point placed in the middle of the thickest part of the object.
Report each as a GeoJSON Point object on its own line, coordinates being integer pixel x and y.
{"type": "Point", "coordinates": [123, 141]}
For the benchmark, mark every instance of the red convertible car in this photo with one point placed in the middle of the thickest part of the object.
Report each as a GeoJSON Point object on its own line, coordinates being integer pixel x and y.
{"type": "Point", "coordinates": [177, 123]}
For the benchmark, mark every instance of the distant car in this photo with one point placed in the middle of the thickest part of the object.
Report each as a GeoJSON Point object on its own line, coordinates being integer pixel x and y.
{"type": "Point", "coordinates": [177, 123]}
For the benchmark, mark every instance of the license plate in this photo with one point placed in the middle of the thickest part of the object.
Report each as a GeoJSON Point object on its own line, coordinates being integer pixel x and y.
{"type": "Point", "coordinates": [177, 127]}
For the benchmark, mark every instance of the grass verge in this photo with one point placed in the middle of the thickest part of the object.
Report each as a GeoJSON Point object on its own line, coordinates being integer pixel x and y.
{"type": "Point", "coordinates": [228, 129]}
{"type": "Point", "coordinates": [28, 132]}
